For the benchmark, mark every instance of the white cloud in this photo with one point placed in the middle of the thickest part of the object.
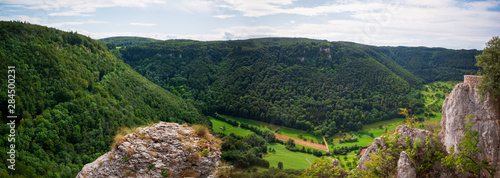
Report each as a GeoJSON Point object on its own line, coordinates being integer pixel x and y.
{"type": "Point", "coordinates": [223, 16]}
{"type": "Point", "coordinates": [142, 24]}
{"type": "Point", "coordinates": [78, 7]}
{"type": "Point", "coordinates": [61, 24]}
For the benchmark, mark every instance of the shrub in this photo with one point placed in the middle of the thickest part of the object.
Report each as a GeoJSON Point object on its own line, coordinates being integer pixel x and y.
{"type": "Point", "coordinates": [205, 153]}
{"type": "Point", "coordinates": [201, 131]}
{"type": "Point", "coordinates": [194, 157]}
{"type": "Point", "coordinates": [189, 173]}
{"type": "Point", "coordinates": [111, 156]}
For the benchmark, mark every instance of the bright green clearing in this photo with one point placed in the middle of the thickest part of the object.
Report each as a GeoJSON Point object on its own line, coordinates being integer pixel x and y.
{"type": "Point", "coordinates": [365, 139]}
{"type": "Point", "coordinates": [300, 134]}
{"type": "Point", "coordinates": [229, 128]}
{"type": "Point", "coordinates": [291, 160]}
{"type": "Point", "coordinates": [249, 122]}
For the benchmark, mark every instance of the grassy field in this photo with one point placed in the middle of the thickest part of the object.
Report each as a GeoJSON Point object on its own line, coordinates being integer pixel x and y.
{"type": "Point", "coordinates": [257, 124]}
{"type": "Point", "coordinates": [300, 134]}
{"type": "Point", "coordinates": [291, 160]}
{"type": "Point", "coordinates": [364, 139]}
{"type": "Point", "coordinates": [282, 130]}
{"type": "Point", "coordinates": [229, 128]}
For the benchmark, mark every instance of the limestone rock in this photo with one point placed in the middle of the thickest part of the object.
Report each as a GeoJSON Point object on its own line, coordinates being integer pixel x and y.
{"type": "Point", "coordinates": [405, 168]}
{"type": "Point", "coordinates": [463, 101]}
{"type": "Point", "coordinates": [404, 131]}
{"type": "Point", "coordinates": [163, 149]}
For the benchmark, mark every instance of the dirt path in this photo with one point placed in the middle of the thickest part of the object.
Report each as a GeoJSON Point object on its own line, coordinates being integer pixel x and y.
{"type": "Point", "coordinates": [301, 142]}
{"type": "Point", "coordinates": [327, 149]}
{"type": "Point", "coordinates": [434, 93]}
{"type": "Point", "coordinates": [309, 161]}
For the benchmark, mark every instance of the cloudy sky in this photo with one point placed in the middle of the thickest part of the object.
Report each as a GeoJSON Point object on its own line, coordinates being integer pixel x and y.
{"type": "Point", "coordinates": [456, 24]}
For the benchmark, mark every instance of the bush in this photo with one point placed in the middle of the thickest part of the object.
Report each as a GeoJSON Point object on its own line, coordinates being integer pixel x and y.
{"type": "Point", "coordinates": [201, 131]}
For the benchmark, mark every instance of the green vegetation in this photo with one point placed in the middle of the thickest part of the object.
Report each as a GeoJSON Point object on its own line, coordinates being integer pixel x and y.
{"type": "Point", "coordinates": [489, 61]}
{"type": "Point", "coordinates": [323, 168]}
{"type": "Point", "coordinates": [300, 134]}
{"type": "Point", "coordinates": [309, 85]}
{"type": "Point", "coordinates": [432, 64]}
{"type": "Point", "coordinates": [229, 129]}
{"type": "Point", "coordinates": [72, 96]}
{"type": "Point", "coordinates": [466, 158]}
{"type": "Point", "coordinates": [423, 153]}
{"type": "Point", "coordinates": [290, 159]}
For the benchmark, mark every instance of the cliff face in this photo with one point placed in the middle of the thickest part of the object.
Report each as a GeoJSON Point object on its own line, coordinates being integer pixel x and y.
{"type": "Point", "coordinates": [405, 166]}
{"type": "Point", "coordinates": [463, 101]}
{"type": "Point", "coordinates": [161, 150]}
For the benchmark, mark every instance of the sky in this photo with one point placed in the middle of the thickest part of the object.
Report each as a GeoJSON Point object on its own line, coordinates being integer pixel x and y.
{"type": "Point", "coordinates": [454, 24]}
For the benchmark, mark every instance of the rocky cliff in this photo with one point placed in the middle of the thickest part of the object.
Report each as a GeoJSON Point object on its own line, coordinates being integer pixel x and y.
{"type": "Point", "coordinates": [160, 150]}
{"type": "Point", "coordinates": [394, 145]}
{"type": "Point", "coordinates": [462, 102]}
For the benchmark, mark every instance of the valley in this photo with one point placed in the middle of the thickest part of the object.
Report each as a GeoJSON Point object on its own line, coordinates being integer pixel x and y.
{"type": "Point", "coordinates": [332, 98]}
{"type": "Point", "coordinates": [365, 136]}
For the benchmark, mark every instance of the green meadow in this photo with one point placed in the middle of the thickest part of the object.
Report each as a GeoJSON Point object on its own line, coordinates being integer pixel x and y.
{"type": "Point", "coordinates": [216, 124]}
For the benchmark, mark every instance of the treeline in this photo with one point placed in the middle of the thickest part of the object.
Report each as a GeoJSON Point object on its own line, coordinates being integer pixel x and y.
{"type": "Point", "coordinates": [290, 145]}
{"type": "Point", "coordinates": [72, 96]}
{"type": "Point", "coordinates": [305, 84]}
{"type": "Point", "coordinates": [229, 121]}
{"type": "Point", "coordinates": [244, 152]}
{"type": "Point", "coordinates": [113, 42]}
{"type": "Point", "coordinates": [345, 149]}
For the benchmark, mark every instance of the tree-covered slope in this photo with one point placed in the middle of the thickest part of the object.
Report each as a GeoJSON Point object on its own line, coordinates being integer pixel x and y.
{"type": "Point", "coordinates": [307, 84]}
{"type": "Point", "coordinates": [432, 64]}
{"type": "Point", "coordinates": [72, 96]}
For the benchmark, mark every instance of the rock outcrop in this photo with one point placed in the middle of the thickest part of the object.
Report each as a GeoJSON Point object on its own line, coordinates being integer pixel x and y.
{"type": "Point", "coordinates": [160, 150]}
{"type": "Point", "coordinates": [404, 131]}
{"type": "Point", "coordinates": [405, 167]}
{"type": "Point", "coordinates": [462, 102]}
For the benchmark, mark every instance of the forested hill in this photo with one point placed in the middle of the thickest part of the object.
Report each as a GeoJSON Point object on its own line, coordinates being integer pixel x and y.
{"type": "Point", "coordinates": [432, 64]}
{"type": "Point", "coordinates": [126, 40]}
{"type": "Point", "coordinates": [72, 96]}
{"type": "Point", "coordinates": [307, 84]}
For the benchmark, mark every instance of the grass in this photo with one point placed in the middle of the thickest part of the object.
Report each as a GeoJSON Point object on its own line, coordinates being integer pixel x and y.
{"type": "Point", "coordinates": [291, 160]}
{"type": "Point", "coordinates": [365, 139]}
{"type": "Point", "coordinates": [229, 128]}
{"type": "Point", "coordinates": [295, 134]}
{"type": "Point", "coordinates": [260, 125]}
{"type": "Point", "coordinates": [264, 126]}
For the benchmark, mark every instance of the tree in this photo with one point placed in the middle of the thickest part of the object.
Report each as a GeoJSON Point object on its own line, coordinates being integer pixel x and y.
{"type": "Point", "coordinates": [489, 61]}
{"type": "Point", "coordinates": [280, 165]}
{"type": "Point", "coordinates": [323, 168]}
{"type": "Point", "coordinates": [411, 121]}
{"type": "Point", "coordinates": [466, 160]}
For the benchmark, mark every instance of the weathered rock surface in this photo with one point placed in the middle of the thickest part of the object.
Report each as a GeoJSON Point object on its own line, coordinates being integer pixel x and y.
{"type": "Point", "coordinates": [463, 101]}
{"type": "Point", "coordinates": [405, 167]}
{"type": "Point", "coordinates": [164, 149]}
